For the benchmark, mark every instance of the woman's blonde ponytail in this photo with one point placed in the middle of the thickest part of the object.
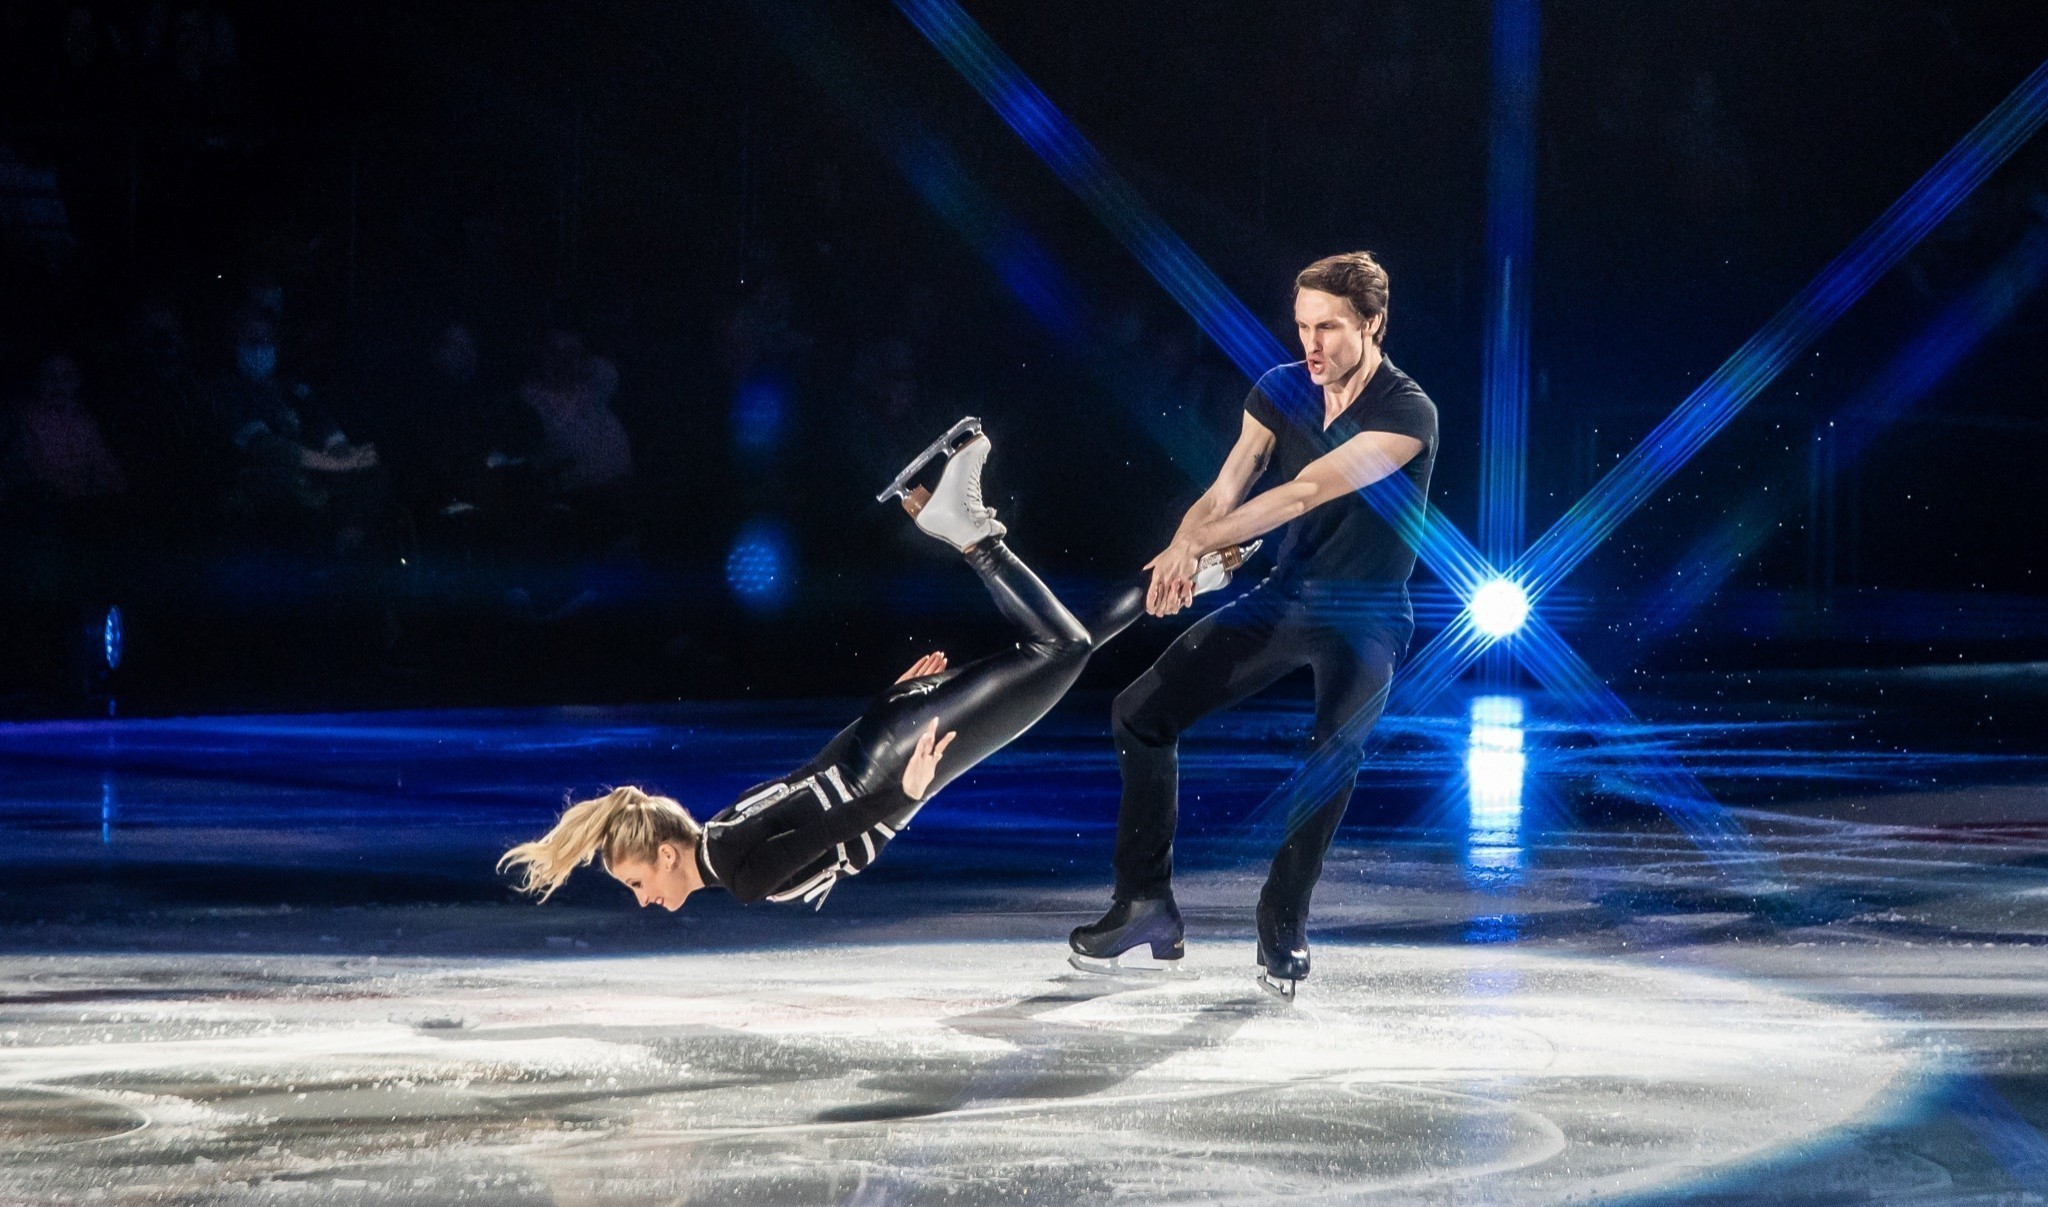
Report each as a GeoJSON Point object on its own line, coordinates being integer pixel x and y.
{"type": "Point", "coordinates": [624, 824]}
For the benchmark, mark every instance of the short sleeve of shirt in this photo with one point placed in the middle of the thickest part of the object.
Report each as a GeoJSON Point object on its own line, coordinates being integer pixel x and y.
{"type": "Point", "coordinates": [1261, 408]}
{"type": "Point", "coordinates": [1404, 412]}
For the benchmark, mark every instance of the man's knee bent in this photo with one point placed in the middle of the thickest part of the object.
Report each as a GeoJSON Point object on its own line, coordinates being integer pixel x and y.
{"type": "Point", "coordinates": [1135, 719]}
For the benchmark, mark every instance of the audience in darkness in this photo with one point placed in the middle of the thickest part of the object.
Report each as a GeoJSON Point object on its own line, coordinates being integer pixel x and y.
{"type": "Point", "coordinates": [299, 476]}
{"type": "Point", "coordinates": [585, 457]}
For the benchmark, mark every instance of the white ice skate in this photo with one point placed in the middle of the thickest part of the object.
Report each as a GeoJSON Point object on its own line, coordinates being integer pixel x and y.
{"type": "Point", "coordinates": [904, 487]}
{"type": "Point", "coordinates": [951, 509]}
{"type": "Point", "coordinates": [1213, 570]}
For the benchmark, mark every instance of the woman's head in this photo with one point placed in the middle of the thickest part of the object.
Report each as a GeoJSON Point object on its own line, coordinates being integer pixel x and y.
{"type": "Point", "coordinates": [649, 844]}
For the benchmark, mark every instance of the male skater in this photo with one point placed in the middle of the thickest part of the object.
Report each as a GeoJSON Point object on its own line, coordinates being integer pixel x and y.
{"type": "Point", "coordinates": [1329, 425]}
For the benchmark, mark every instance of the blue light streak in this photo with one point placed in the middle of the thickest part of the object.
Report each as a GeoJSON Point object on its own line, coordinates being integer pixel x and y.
{"type": "Point", "coordinates": [1891, 393]}
{"type": "Point", "coordinates": [1164, 254]}
{"type": "Point", "coordinates": [1630, 484]}
{"type": "Point", "coordinates": [1075, 161]}
{"type": "Point", "coordinates": [1448, 552]}
{"type": "Point", "coordinates": [1655, 777]}
{"type": "Point", "coordinates": [1721, 397]}
{"type": "Point", "coordinates": [1510, 236]}
{"type": "Point", "coordinates": [934, 172]}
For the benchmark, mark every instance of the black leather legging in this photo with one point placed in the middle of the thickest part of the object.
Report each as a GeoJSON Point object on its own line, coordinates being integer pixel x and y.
{"type": "Point", "coordinates": [988, 702]}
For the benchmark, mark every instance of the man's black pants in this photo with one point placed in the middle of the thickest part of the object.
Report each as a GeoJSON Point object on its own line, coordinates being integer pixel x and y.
{"type": "Point", "coordinates": [1350, 644]}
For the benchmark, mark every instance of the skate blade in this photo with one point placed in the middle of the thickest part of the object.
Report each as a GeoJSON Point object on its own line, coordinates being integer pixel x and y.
{"type": "Point", "coordinates": [1139, 969]}
{"type": "Point", "coordinates": [1282, 989]}
{"type": "Point", "coordinates": [945, 444]}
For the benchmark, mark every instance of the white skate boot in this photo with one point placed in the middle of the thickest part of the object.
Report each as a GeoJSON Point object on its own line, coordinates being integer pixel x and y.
{"type": "Point", "coordinates": [951, 509]}
{"type": "Point", "coordinates": [1213, 570]}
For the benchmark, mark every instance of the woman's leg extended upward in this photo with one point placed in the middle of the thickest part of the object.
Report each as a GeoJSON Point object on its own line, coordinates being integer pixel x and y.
{"type": "Point", "coordinates": [988, 702]}
{"type": "Point", "coordinates": [992, 700]}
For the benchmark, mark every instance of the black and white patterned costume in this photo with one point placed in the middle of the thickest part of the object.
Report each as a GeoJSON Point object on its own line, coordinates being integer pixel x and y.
{"type": "Point", "coordinates": [791, 839]}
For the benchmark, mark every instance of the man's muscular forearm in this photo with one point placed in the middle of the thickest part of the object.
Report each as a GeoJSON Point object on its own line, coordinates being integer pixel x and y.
{"type": "Point", "coordinates": [1206, 510]}
{"type": "Point", "coordinates": [1257, 517]}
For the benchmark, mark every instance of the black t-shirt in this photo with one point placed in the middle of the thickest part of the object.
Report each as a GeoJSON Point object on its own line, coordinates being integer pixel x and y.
{"type": "Point", "coordinates": [1345, 540]}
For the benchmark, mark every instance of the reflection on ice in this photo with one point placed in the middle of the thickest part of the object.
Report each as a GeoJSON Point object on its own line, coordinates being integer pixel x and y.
{"type": "Point", "coordinates": [1495, 767]}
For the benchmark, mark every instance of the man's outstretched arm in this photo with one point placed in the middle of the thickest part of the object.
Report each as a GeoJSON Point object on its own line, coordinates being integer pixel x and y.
{"type": "Point", "coordinates": [1354, 465]}
{"type": "Point", "coordinates": [1247, 460]}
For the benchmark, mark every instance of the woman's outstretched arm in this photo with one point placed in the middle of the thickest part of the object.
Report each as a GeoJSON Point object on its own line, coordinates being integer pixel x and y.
{"type": "Point", "coordinates": [774, 862]}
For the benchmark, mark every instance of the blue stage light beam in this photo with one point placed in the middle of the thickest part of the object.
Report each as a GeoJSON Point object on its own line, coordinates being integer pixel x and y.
{"type": "Point", "coordinates": [1675, 441]}
{"type": "Point", "coordinates": [1658, 778]}
{"type": "Point", "coordinates": [1631, 483]}
{"type": "Point", "coordinates": [1032, 276]}
{"type": "Point", "coordinates": [1896, 388]}
{"type": "Point", "coordinates": [1075, 161]}
{"type": "Point", "coordinates": [1226, 321]}
{"type": "Point", "coordinates": [934, 171]}
{"type": "Point", "coordinates": [1510, 238]}
{"type": "Point", "coordinates": [1170, 261]}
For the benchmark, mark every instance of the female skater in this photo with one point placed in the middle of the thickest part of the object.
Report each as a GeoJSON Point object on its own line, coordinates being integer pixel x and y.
{"type": "Point", "coordinates": [792, 838]}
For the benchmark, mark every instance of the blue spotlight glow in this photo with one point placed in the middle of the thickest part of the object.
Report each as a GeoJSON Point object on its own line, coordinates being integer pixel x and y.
{"type": "Point", "coordinates": [111, 638]}
{"type": "Point", "coordinates": [1593, 518]}
{"type": "Point", "coordinates": [761, 569]}
{"type": "Point", "coordinates": [1499, 608]}
{"type": "Point", "coordinates": [1495, 766]}
{"type": "Point", "coordinates": [760, 409]}
{"type": "Point", "coordinates": [1679, 437]}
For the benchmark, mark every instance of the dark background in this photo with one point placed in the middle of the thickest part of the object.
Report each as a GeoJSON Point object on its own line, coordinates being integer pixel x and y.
{"type": "Point", "coordinates": [707, 195]}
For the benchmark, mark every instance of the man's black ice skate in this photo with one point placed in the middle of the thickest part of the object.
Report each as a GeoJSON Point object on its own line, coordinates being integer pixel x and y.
{"type": "Point", "coordinates": [1283, 954]}
{"type": "Point", "coordinates": [1149, 922]}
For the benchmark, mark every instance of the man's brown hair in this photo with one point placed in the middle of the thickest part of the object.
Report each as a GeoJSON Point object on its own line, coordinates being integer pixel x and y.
{"type": "Point", "coordinates": [1354, 276]}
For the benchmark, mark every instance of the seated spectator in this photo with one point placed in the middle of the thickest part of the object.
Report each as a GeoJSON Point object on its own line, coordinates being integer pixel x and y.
{"type": "Point", "coordinates": [585, 461]}
{"type": "Point", "coordinates": [299, 475]}
{"type": "Point", "coordinates": [57, 453]}
{"type": "Point", "coordinates": [585, 454]}
{"type": "Point", "coordinates": [63, 514]}
{"type": "Point", "coordinates": [459, 431]}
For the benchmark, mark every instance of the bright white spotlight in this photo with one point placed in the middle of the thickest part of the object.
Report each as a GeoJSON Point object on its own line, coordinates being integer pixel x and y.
{"type": "Point", "coordinates": [1499, 608]}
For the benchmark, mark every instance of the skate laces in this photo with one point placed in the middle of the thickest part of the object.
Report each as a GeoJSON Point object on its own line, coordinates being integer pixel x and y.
{"type": "Point", "coordinates": [977, 511]}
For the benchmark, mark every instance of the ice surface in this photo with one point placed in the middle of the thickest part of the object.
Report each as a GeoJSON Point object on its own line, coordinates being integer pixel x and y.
{"type": "Point", "coordinates": [266, 960]}
{"type": "Point", "coordinates": [906, 1073]}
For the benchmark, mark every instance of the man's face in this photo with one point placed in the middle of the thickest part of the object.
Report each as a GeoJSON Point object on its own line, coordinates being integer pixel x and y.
{"type": "Point", "coordinates": [1333, 337]}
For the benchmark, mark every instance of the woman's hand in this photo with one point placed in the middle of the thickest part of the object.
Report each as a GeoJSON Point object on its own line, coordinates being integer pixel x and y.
{"type": "Point", "coordinates": [1173, 579]}
{"type": "Point", "coordinates": [924, 761]}
{"type": "Point", "coordinates": [930, 664]}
